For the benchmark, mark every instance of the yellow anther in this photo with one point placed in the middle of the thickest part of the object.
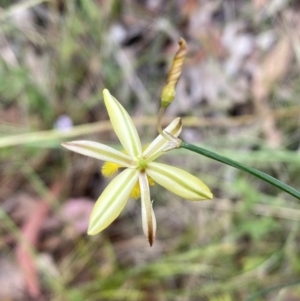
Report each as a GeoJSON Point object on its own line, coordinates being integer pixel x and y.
{"type": "Point", "coordinates": [136, 191]}
{"type": "Point", "coordinates": [151, 182]}
{"type": "Point", "coordinates": [109, 169]}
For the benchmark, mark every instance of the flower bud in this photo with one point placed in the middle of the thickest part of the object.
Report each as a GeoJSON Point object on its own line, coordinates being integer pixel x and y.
{"type": "Point", "coordinates": [168, 93]}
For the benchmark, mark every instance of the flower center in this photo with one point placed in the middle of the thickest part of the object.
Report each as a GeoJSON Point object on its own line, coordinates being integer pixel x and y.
{"type": "Point", "coordinates": [142, 164]}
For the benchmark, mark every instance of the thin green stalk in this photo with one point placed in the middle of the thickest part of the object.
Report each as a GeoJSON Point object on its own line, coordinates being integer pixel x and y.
{"type": "Point", "coordinates": [259, 174]}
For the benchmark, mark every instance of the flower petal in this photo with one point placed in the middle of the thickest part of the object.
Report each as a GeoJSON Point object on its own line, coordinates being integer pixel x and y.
{"type": "Point", "coordinates": [112, 200]}
{"type": "Point", "coordinates": [178, 181]}
{"type": "Point", "coordinates": [148, 217]}
{"type": "Point", "coordinates": [123, 125]}
{"type": "Point", "coordinates": [100, 151]}
{"type": "Point", "coordinates": [155, 148]}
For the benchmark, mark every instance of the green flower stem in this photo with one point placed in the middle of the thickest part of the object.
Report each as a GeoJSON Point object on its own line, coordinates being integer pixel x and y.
{"type": "Point", "coordinates": [259, 174]}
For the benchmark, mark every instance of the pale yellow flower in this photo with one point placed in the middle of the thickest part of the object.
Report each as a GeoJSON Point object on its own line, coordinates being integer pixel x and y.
{"type": "Point", "coordinates": [140, 170]}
